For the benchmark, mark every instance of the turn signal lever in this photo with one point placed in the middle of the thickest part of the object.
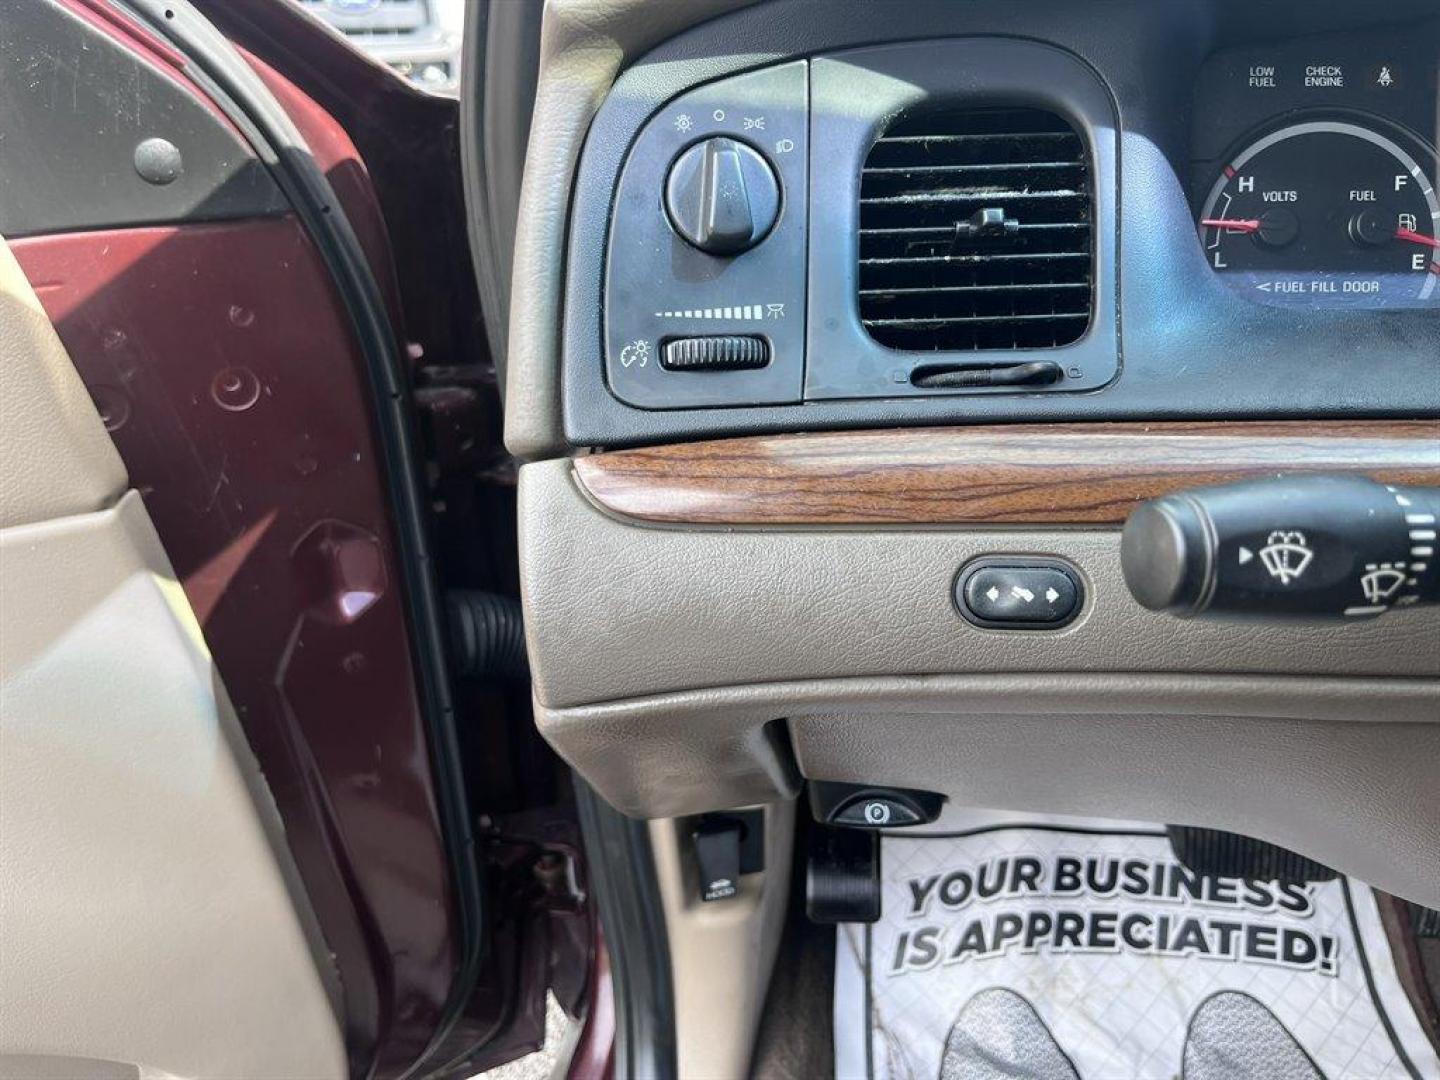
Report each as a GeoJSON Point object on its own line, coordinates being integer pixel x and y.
{"type": "Point", "coordinates": [1293, 547]}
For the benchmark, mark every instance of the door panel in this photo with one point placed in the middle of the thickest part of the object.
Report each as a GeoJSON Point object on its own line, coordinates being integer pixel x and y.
{"type": "Point", "coordinates": [260, 364]}
{"type": "Point", "coordinates": [210, 332]}
{"type": "Point", "coordinates": [48, 418]}
{"type": "Point", "coordinates": [236, 403]}
{"type": "Point", "coordinates": [78, 109]}
{"type": "Point", "coordinates": [147, 915]}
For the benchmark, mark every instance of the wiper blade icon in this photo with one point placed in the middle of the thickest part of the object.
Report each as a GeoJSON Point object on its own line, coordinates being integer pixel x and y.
{"type": "Point", "coordinates": [1286, 555]}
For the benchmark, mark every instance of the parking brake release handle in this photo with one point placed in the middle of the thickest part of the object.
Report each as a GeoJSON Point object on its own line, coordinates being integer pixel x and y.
{"type": "Point", "coordinates": [1295, 547]}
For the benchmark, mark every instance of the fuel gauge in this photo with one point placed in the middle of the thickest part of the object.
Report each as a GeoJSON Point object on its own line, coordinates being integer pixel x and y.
{"type": "Point", "coordinates": [1326, 213]}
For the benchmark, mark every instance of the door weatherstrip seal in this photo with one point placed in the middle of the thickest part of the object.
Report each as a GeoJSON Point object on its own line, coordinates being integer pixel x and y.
{"type": "Point", "coordinates": [621, 869]}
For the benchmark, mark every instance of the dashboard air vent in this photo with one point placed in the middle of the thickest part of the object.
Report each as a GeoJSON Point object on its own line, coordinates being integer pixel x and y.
{"type": "Point", "coordinates": [976, 232]}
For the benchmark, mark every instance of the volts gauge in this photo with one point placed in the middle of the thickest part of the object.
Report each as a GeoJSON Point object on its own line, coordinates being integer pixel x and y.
{"type": "Point", "coordinates": [1326, 213]}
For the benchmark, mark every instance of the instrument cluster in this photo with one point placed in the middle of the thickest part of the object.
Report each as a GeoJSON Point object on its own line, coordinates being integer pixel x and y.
{"type": "Point", "coordinates": [1315, 170]}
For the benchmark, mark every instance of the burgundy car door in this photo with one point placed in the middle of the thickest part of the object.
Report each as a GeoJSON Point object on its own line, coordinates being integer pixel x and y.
{"type": "Point", "coordinates": [220, 264]}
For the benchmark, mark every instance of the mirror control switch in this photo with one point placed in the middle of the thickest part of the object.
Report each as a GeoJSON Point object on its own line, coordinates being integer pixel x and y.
{"type": "Point", "coordinates": [1018, 592]}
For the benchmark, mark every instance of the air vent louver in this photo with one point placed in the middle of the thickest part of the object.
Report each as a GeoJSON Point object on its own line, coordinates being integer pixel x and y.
{"type": "Point", "coordinates": [976, 232]}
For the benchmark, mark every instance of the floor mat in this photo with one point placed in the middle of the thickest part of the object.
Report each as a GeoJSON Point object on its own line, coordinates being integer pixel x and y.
{"type": "Point", "coordinates": [1053, 948]}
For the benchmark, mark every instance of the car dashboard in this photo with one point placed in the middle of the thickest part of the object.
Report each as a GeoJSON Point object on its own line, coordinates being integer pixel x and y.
{"type": "Point", "coordinates": [861, 335]}
{"type": "Point", "coordinates": [1096, 290]}
{"type": "Point", "coordinates": [1034, 406]}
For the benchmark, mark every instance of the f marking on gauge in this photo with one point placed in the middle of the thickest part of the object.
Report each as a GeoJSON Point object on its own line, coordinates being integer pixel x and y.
{"type": "Point", "coordinates": [1326, 212]}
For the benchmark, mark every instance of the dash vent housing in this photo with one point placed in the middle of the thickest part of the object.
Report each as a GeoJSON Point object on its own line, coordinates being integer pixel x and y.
{"type": "Point", "coordinates": [977, 231]}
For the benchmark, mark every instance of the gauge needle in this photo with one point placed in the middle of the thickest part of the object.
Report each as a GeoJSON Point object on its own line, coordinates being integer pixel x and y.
{"type": "Point", "coordinates": [1416, 237]}
{"type": "Point", "coordinates": [1246, 225]}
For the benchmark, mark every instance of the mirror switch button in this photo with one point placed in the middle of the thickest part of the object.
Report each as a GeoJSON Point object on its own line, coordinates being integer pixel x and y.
{"type": "Point", "coordinates": [1022, 594]}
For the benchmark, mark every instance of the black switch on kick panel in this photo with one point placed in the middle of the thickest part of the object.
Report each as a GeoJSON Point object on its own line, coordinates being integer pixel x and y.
{"type": "Point", "coordinates": [717, 852]}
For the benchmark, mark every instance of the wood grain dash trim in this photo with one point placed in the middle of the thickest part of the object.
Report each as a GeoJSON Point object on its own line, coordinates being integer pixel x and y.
{"type": "Point", "coordinates": [1065, 474]}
